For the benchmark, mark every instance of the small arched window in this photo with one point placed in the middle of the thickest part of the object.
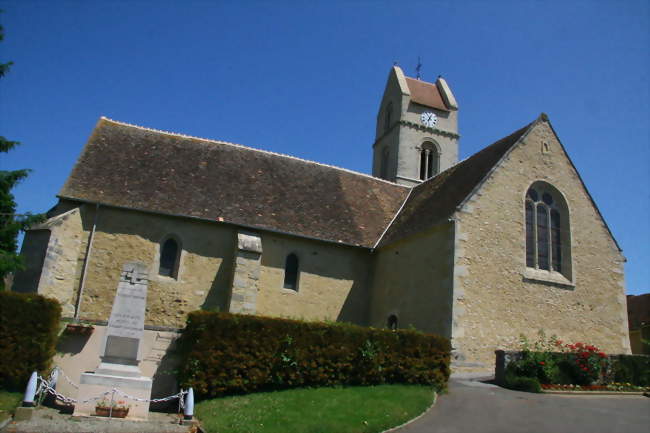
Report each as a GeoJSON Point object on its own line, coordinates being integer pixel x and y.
{"type": "Point", "coordinates": [547, 230]}
{"type": "Point", "coordinates": [387, 116]}
{"type": "Point", "coordinates": [429, 160]}
{"type": "Point", "coordinates": [291, 272]}
{"type": "Point", "coordinates": [169, 258]}
{"type": "Point", "coordinates": [392, 322]}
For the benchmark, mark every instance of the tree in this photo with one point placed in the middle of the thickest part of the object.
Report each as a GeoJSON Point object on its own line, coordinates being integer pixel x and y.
{"type": "Point", "coordinates": [10, 223]}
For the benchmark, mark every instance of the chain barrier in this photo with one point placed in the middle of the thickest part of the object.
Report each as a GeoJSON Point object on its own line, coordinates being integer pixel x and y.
{"type": "Point", "coordinates": [45, 385]}
{"type": "Point", "coordinates": [65, 376]}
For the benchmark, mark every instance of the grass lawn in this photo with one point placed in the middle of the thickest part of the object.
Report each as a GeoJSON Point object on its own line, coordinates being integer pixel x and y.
{"type": "Point", "coordinates": [316, 410]}
{"type": "Point", "coordinates": [8, 402]}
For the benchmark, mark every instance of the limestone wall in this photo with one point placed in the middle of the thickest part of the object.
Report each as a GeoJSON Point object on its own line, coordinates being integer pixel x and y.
{"type": "Point", "coordinates": [495, 301]}
{"type": "Point", "coordinates": [332, 281]}
{"type": "Point", "coordinates": [332, 278]}
{"type": "Point", "coordinates": [54, 252]}
{"type": "Point", "coordinates": [413, 135]}
{"type": "Point", "coordinates": [413, 280]}
{"type": "Point", "coordinates": [123, 236]}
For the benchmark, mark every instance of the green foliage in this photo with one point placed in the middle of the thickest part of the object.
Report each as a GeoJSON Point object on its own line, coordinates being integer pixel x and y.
{"type": "Point", "coordinates": [634, 369]}
{"type": "Point", "coordinates": [520, 383]}
{"type": "Point", "coordinates": [342, 410]}
{"type": "Point", "coordinates": [225, 354]}
{"type": "Point", "coordinates": [29, 326]}
{"type": "Point", "coordinates": [10, 223]}
{"type": "Point", "coordinates": [551, 361]}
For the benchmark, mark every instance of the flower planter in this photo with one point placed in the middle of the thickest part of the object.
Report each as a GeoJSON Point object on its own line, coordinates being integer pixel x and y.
{"type": "Point", "coordinates": [116, 413]}
{"type": "Point", "coordinates": [79, 329]}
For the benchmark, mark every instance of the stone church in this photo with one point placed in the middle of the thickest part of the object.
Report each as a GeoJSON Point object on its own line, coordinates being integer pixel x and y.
{"type": "Point", "coordinates": [505, 242]}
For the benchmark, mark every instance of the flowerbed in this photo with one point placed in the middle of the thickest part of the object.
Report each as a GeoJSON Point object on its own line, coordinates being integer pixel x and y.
{"type": "Point", "coordinates": [551, 364]}
{"type": "Point", "coordinates": [612, 387]}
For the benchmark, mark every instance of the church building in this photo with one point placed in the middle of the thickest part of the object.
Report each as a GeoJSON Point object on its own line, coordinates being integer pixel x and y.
{"type": "Point", "coordinates": [506, 242]}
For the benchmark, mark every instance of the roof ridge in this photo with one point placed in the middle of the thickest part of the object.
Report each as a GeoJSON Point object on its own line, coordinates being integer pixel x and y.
{"type": "Point", "coordinates": [160, 131]}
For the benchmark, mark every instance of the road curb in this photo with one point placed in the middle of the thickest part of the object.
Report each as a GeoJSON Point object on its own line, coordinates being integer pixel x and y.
{"type": "Point", "coordinates": [394, 429]}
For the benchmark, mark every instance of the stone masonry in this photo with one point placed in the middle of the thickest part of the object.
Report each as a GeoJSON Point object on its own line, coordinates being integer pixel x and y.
{"type": "Point", "coordinates": [246, 273]}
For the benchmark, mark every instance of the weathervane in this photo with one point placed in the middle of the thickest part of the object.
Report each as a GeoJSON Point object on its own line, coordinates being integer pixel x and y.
{"type": "Point", "coordinates": [417, 69]}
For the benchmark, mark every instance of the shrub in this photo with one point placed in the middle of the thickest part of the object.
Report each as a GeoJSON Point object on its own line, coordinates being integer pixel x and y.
{"type": "Point", "coordinates": [225, 354]}
{"type": "Point", "coordinates": [633, 369]}
{"type": "Point", "coordinates": [550, 361]}
{"type": "Point", "coordinates": [514, 381]}
{"type": "Point", "coordinates": [28, 331]}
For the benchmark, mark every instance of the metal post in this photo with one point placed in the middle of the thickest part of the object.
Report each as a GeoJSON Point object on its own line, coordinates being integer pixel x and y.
{"type": "Point", "coordinates": [30, 391]}
{"type": "Point", "coordinates": [45, 396]}
{"type": "Point", "coordinates": [189, 405]}
{"type": "Point", "coordinates": [55, 377]}
{"type": "Point", "coordinates": [110, 411]}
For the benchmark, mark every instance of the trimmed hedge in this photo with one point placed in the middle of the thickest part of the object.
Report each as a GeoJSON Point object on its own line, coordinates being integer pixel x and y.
{"type": "Point", "coordinates": [634, 369]}
{"type": "Point", "coordinates": [28, 333]}
{"type": "Point", "coordinates": [224, 353]}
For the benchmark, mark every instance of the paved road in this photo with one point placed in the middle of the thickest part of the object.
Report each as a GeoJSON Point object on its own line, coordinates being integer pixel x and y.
{"type": "Point", "coordinates": [475, 407]}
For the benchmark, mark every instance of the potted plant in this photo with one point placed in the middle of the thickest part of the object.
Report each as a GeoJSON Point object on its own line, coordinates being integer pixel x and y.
{"type": "Point", "coordinates": [114, 409]}
{"type": "Point", "coordinates": [79, 328]}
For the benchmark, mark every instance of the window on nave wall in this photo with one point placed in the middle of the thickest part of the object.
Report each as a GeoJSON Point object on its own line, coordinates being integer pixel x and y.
{"type": "Point", "coordinates": [547, 230]}
{"type": "Point", "coordinates": [291, 272]}
{"type": "Point", "coordinates": [169, 258]}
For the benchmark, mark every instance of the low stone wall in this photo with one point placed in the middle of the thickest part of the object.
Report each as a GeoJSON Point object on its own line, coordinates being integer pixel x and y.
{"type": "Point", "coordinates": [503, 358]}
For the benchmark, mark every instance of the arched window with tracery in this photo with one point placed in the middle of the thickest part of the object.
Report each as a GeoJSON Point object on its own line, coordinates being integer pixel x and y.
{"type": "Point", "coordinates": [291, 272]}
{"type": "Point", "coordinates": [429, 160]}
{"type": "Point", "coordinates": [547, 229]}
{"type": "Point", "coordinates": [170, 254]}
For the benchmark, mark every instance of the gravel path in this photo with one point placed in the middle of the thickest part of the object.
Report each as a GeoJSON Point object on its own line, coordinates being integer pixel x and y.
{"type": "Point", "coordinates": [47, 420]}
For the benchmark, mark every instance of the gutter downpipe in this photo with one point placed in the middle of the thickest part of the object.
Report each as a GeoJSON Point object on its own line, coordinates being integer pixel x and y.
{"type": "Point", "coordinates": [82, 284]}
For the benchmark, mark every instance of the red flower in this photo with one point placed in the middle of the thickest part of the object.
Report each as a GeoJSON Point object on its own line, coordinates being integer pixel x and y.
{"type": "Point", "coordinates": [541, 362]}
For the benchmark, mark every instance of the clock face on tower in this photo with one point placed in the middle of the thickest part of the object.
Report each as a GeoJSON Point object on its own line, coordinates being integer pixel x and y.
{"type": "Point", "coordinates": [429, 119]}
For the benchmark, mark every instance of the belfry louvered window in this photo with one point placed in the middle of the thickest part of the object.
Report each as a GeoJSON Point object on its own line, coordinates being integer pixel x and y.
{"type": "Point", "coordinates": [547, 231]}
{"type": "Point", "coordinates": [387, 116]}
{"type": "Point", "coordinates": [428, 161]}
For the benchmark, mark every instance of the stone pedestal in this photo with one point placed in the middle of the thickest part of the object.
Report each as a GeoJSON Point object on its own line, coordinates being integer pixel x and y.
{"type": "Point", "coordinates": [122, 351]}
{"type": "Point", "coordinates": [94, 384]}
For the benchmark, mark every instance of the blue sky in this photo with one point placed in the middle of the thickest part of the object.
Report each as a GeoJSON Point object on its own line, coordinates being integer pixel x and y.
{"type": "Point", "coordinates": [305, 78]}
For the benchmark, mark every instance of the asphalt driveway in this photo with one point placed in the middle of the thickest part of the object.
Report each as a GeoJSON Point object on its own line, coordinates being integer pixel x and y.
{"type": "Point", "coordinates": [476, 407]}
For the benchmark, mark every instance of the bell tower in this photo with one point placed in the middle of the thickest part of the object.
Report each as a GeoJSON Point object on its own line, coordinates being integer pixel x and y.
{"type": "Point", "coordinates": [417, 130]}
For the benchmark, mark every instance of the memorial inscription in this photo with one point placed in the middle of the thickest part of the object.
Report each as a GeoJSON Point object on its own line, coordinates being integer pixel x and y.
{"type": "Point", "coordinates": [126, 323]}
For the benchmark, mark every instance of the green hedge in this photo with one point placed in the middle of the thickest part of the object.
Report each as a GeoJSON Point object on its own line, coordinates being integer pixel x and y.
{"type": "Point", "coordinates": [634, 369]}
{"type": "Point", "coordinates": [28, 332]}
{"type": "Point", "coordinates": [227, 354]}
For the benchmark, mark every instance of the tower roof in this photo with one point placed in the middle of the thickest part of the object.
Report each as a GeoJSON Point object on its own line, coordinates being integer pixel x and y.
{"type": "Point", "coordinates": [426, 94]}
